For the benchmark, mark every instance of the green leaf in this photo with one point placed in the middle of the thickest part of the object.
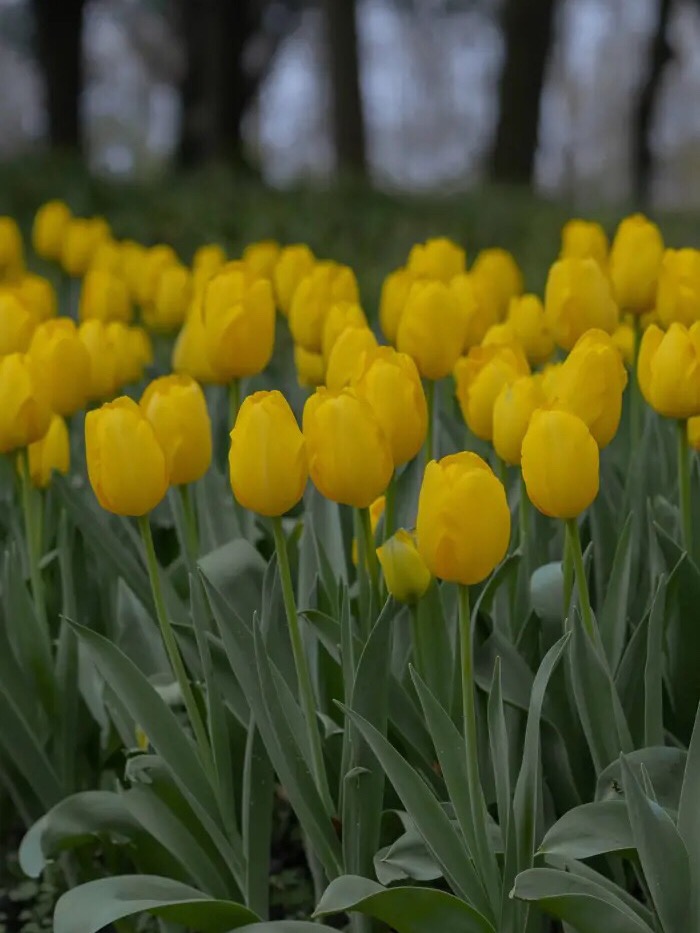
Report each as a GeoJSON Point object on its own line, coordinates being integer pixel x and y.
{"type": "Point", "coordinates": [587, 906]}
{"type": "Point", "coordinates": [500, 758]}
{"type": "Point", "coordinates": [256, 820]}
{"type": "Point", "coordinates": [591, 829]}
{"type": "Point", "coordinates": [662, 853]}
{"type": "Point", "coordinates": [583, 870]}
{"type": "Point", "coordinates": [407, 857]}
{"type": "Point", "coordinates": [287, 926]}
{"type": "Point", "coordinates": [612, 621]}
{"type": "Point", "coordinates": [92, 906]}
{"type": "Point", "coordinates": [689, 816]}
{"type": "Point", "coordinates": [236, 569]}
{"type": "Point", "coordinates": [406, 910]}
{"type": "Point", "coordinates": [428, 816]}
{"type": "Point", "coordinates": [653, 673]}
{"type": "Point", "coordinates": [665, 767]}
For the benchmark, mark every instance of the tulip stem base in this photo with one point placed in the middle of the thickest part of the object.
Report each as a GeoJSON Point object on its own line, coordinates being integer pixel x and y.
{"type": "Point", "coordinates": [483, 856]}
{"type": "Point", "coordinates": [684, 502]}
{"type": "Point", "coordinates": [306, 693]}
{"type": "Point", "coordinates": [172, 649]}
{"type": "Point", "coordinates": [430, 397]}
{"type": "Point", "coordinates": [32, 526]}
{"type": "Point", "coordinates": [574, 542]}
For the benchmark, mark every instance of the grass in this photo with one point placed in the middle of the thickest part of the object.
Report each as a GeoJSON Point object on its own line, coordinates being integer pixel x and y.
{"type": "Point", "coordinates": [351, 222]}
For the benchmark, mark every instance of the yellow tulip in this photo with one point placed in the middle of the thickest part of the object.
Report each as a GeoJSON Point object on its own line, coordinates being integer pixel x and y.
{"type": "Point", "coordinates": [590, 383]}
{"type": "Point", "coordinates": [376, 510]}
{"type": "Point", "coordinates": [480, 376]}
{"type": "Point", "coordinates": [529, 324]}
{"type": "Point", "coordinates": [24, 409]}
{"type": "Point", "coordinates": [463, 525]}
{"type": "Point", "coordinates": [207, 259]}
{"type": "Point", "coordinates": [268, 466]}
{"type": "Point", "coordinates": [126, 465]}
{"type": "Point", "coordinates": [392, 386]}
{"type": "Point", "coordinates": [11, 250]}
{"type": "Point", "coordinates": [103, 359]}
{"type": "Point", "coordinates": [512, 411]}
{"type": "Point", "coordinates": [439, 258]}
{"type": "Point", "coordinates": [61, 364]}
{"type": "Point", "coordinates": [49, 228]}
{"type": "Point", "coordinates": [133, 352]}
{"type": "Point", "coordinates": [190, 350]}
{"type": "Point", "coordinates": [261, 257]}
{"type": "Point", "coordinates": [347, 358]}
{"type": "Point", "coordinates": [405, 572]}
{"type": "Point", "coordinates": [584, 239]}
{"type": "Point", "coordinates": [395, 289]}
{"type": "Point", "coordinates": [499, 335]}
{"type": "Point", "coordinates": [50, 453]}
{"type": "Point", "coordinates": [239, 324]}
{"type": "Point", "coordinates": [109, 256]}
{"type": "Point", "coordinates": [38, 295]}
{"type": "Point", "coordinates": [668, 370]}
{"type": "Point", "coordinates": [341, 315]}
{"type": "Point", "coordinates": [133, 258]}
{"type": "Point", "coordinates": [149, 269]}
{"type": "Point", "coordinates": [678, 295]}
{"type": "Point", "coordinates": [479, 305]}
{"type": "Point", "coordinates": [693, 429]}
{"type": "Point", "coordinates": [81, 238]}
{"type": "Point", "coordinates": [104, 296]}
{"type": "Point", "coordinates": [635, 260]}
{"type": "Point", "coordinates": [349, 454]}
{"type": "Point", "coordinates": [624, 340]}
{"type": "Point", "coordinates": [499, 269]}
{"type": "Point", "coordinates": [293, 264]}
{"type": "Point", "coordinates": [177, 410]}
{"type": "Point", "coordinates": [431, 329]}
{"type": "Point", "coordinates": [326, 285]}
{"type": "Point", "coordinates": [310, 367]}
{"type": "Point", "coordinates": [17, 323]}
{"type": "Point", "coordinates": [578, 297]}
{"type": "Point", "coordinates": [560, 464]}
{"type": "Point", "coordinates": [172, 298]}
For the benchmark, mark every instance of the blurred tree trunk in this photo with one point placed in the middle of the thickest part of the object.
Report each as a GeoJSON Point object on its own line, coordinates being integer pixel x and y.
{"type": "Point", "coordinates": [528, 28]}
{"type": "Point", "coordinates": [59, 32]}
{"type": "Point", "coordinates": [344, 66]}
{"type": "Point", "coordinates": [660, 54]}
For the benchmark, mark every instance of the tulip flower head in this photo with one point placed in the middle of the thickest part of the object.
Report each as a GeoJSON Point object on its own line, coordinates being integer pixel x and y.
{"type": "Point", "coordinates": [61, 364]}
{"type": "Point", "coordinates": [584, 239]}
{"type": "Point", "coordinates": [11, 251]}
{"type": "Point", "coordinates": [24, 408]}
{"type": "Point", "coordinates": [326, 285]}
{"type": "Point", "coordinates": [499, 270]}
{"type": "Point", "coordinates": [50, 454]}
{"type": "Point", "coordinates": [48, 230]}
{"type": "Point", "coordinates": [177, 410]}
{"type": "Point", "coordinates": [668, 370]}
{"type": "Point", "coordinates": [347, 358]}
{"type": "Point", "coordinates": [480, 376]}
{"type": "Point", "coordinates": [405, 572]}
{"type": "Point", "coordinates": [478, 304]}
{"type": "Point", "coordinates": [393, 299]}
{"type": "Point", "coordinates": [440, 259]}
{"type": "Point", "coordinates": [635, 261]}
{"type": "Point", "coordinates": [293, 264]}
{"type": "Point", "coordinates": [577, 298]}
{"type": "Point", "coordinates": [310, 367]}
{"type": "Point", "coordinates": [512, 410]}
{"type": "Point", "coordinates": [17, 323]}
{"type": "Point", "coordinates": [432, 329]}
{"type": "Point", "coordinates": [678, 295]}
{"type": "Point", "coordinates": [531, 328]}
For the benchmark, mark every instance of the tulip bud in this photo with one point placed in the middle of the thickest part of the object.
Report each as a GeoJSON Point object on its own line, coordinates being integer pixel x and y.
{"type": "Point", "coordinates": [512, 411]}
{"type": "Point", "coordinates": [578, 297]}
{"type": "Point", "coordinates": [341, 315]}
{"type": "Point", "coordinates": [392, 386]}
{"type": "Point", "coordinates": [267, 461]}
{"type": "Point", "coordinates": [95, 338]}
{"type": "Point", "coordinates": [678, 295]}
{"type": "Point", "coordinates": [393, 299]}
{"type": "Point", "coordinates": [668, 370]}
{"type": "Point", "coordinates": [499, 269]}
{"type": "Point", "coordinates": [376, 510]}
{"type": "Point", "coordinates": [480, 376]}
{"type": "Point", "coordinates": [38, 295]}
{"type": "Point", "coordinates": [262, 257]}
{"type": "Point", "coordinates": [149, 270]}
{"type": "Point", "coordinates": [635, 259]}
{"type": "Point", "coordinates": [50, 224]}
{"type": "Point", "coordinates": [531, 329]}
{"type": "Point", "coordinates": [16, 323]}
{"type": "Point", "coordinates": [24, 409]}
{"type": "Point", "coordinates": [439, 258]}
{"type": "Point", "coordinates": [133, 352]}
{"type": "Point", "coordinates": [172, 298]}
{"type": "Point", "coordinates": [190, 350]}
{"type": "Point", "coordinates": [293, 264]}
{"type": "Point", "coordinates": [177, 410]}
{"type": "Point", "coordinates": [133, 258]}
{"type": "Point", "coordinates": [463, 525]}
{"type": "Point", "coordinates": [81, 238]}
{"type": "Point", "coordinates": [326, 285]}
{"type": "Point", "coordinates": [310, 367]}
{"type": "Point", "coordinates": [405, 573]}
{"type": "Point", "coordinates": [349, 454]}
{"type": "Point", "coordinates": [347, 358]}
{"type": "Point", "coordinates": [206, 262]}
{"type": "Point", "coordinates": [126, 465]}
{"type": "Point", "coordinates": [431, 329]}
{"type": "Point", "coordinates": [105, 297]}
{"type": "Point", "coordinates": [11, 250]}
{"type": "Point", "coordinates": [590, 383]}
{"type": "Point", "coordinates": [239, 324]}
{"type": "Point", "coordinates": [61, 364]}
{"type": "Point", "coordinates": [109, 257]}
{"type": "Point", "coordinates": [50, 453]}
{"type": "Point", "coordinates": [584, 239]}
{"type": "Point", "coordinates": [478, 304]}
{"type": "Point", "coordinates": [624, 341]}
{"type": "Point", "coordinates": [560, 464]}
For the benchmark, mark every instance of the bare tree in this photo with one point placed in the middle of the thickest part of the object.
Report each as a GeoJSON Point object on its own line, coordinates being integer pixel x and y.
{"type": "Point", "coordinates": [59, 33]}
{"type": "Point", "coordinates": [344, 66]}
{"type": "Point", "coordinates": [528, 28]}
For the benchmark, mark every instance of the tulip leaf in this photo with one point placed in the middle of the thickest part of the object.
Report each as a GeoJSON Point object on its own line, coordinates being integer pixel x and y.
{"type": "Point", "coordinates": [236, 569]}
{"type": "Point", "coordinates": [287, 926]}
{"type": "Point", "coordinates": [589, 830]}
{"type": "Point", "coordinates": [92, 906]}
{"type": "Point", "coordinates": [256, 809]}
{"type": "Point", "coordinates": [653, 683]}
{"type": "Point", "coordinates": [612, 621]}
{"type": "Point", "coordinates": [588, 906]}
{"type": "Point", "coordinates": [406, 910]}
{"type": "Point", "coordinates": [689, 815]}
{"type": "Point", "coordinates": [664, 766]}
{"type": "Point", "coordinates": [406, 857]}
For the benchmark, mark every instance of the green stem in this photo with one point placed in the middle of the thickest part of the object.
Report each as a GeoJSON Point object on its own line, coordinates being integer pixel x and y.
{"type": "Point", "coordinates": [370, 549]}
{"type": "Point", "coordinates": [483, 857]}
{"type": "Point", "coordinates": [390, 508]}
{"type": "Point", "coordinates": [190, 520]}
{"type": "Point", "coordinates": [430, 437]}
{"type": "Point", "coordinates": [684, 486]}
{"type": "Point", "coordinates": [568, 571]}
{"type": "Point", "coordinates": [306, 693]}
{"type": "Point", "coordinates": [33, 546]}
{"type": "Point", "coordinates": [581, 584]}
{"type": "Point", "coordinates": [234, 401]}
{"type": "Point", "coordinates": [172, 649]}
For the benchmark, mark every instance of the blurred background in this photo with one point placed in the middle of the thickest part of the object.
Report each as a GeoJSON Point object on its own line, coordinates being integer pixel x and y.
{"type": "Point", "coordinates": [591, 100]}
